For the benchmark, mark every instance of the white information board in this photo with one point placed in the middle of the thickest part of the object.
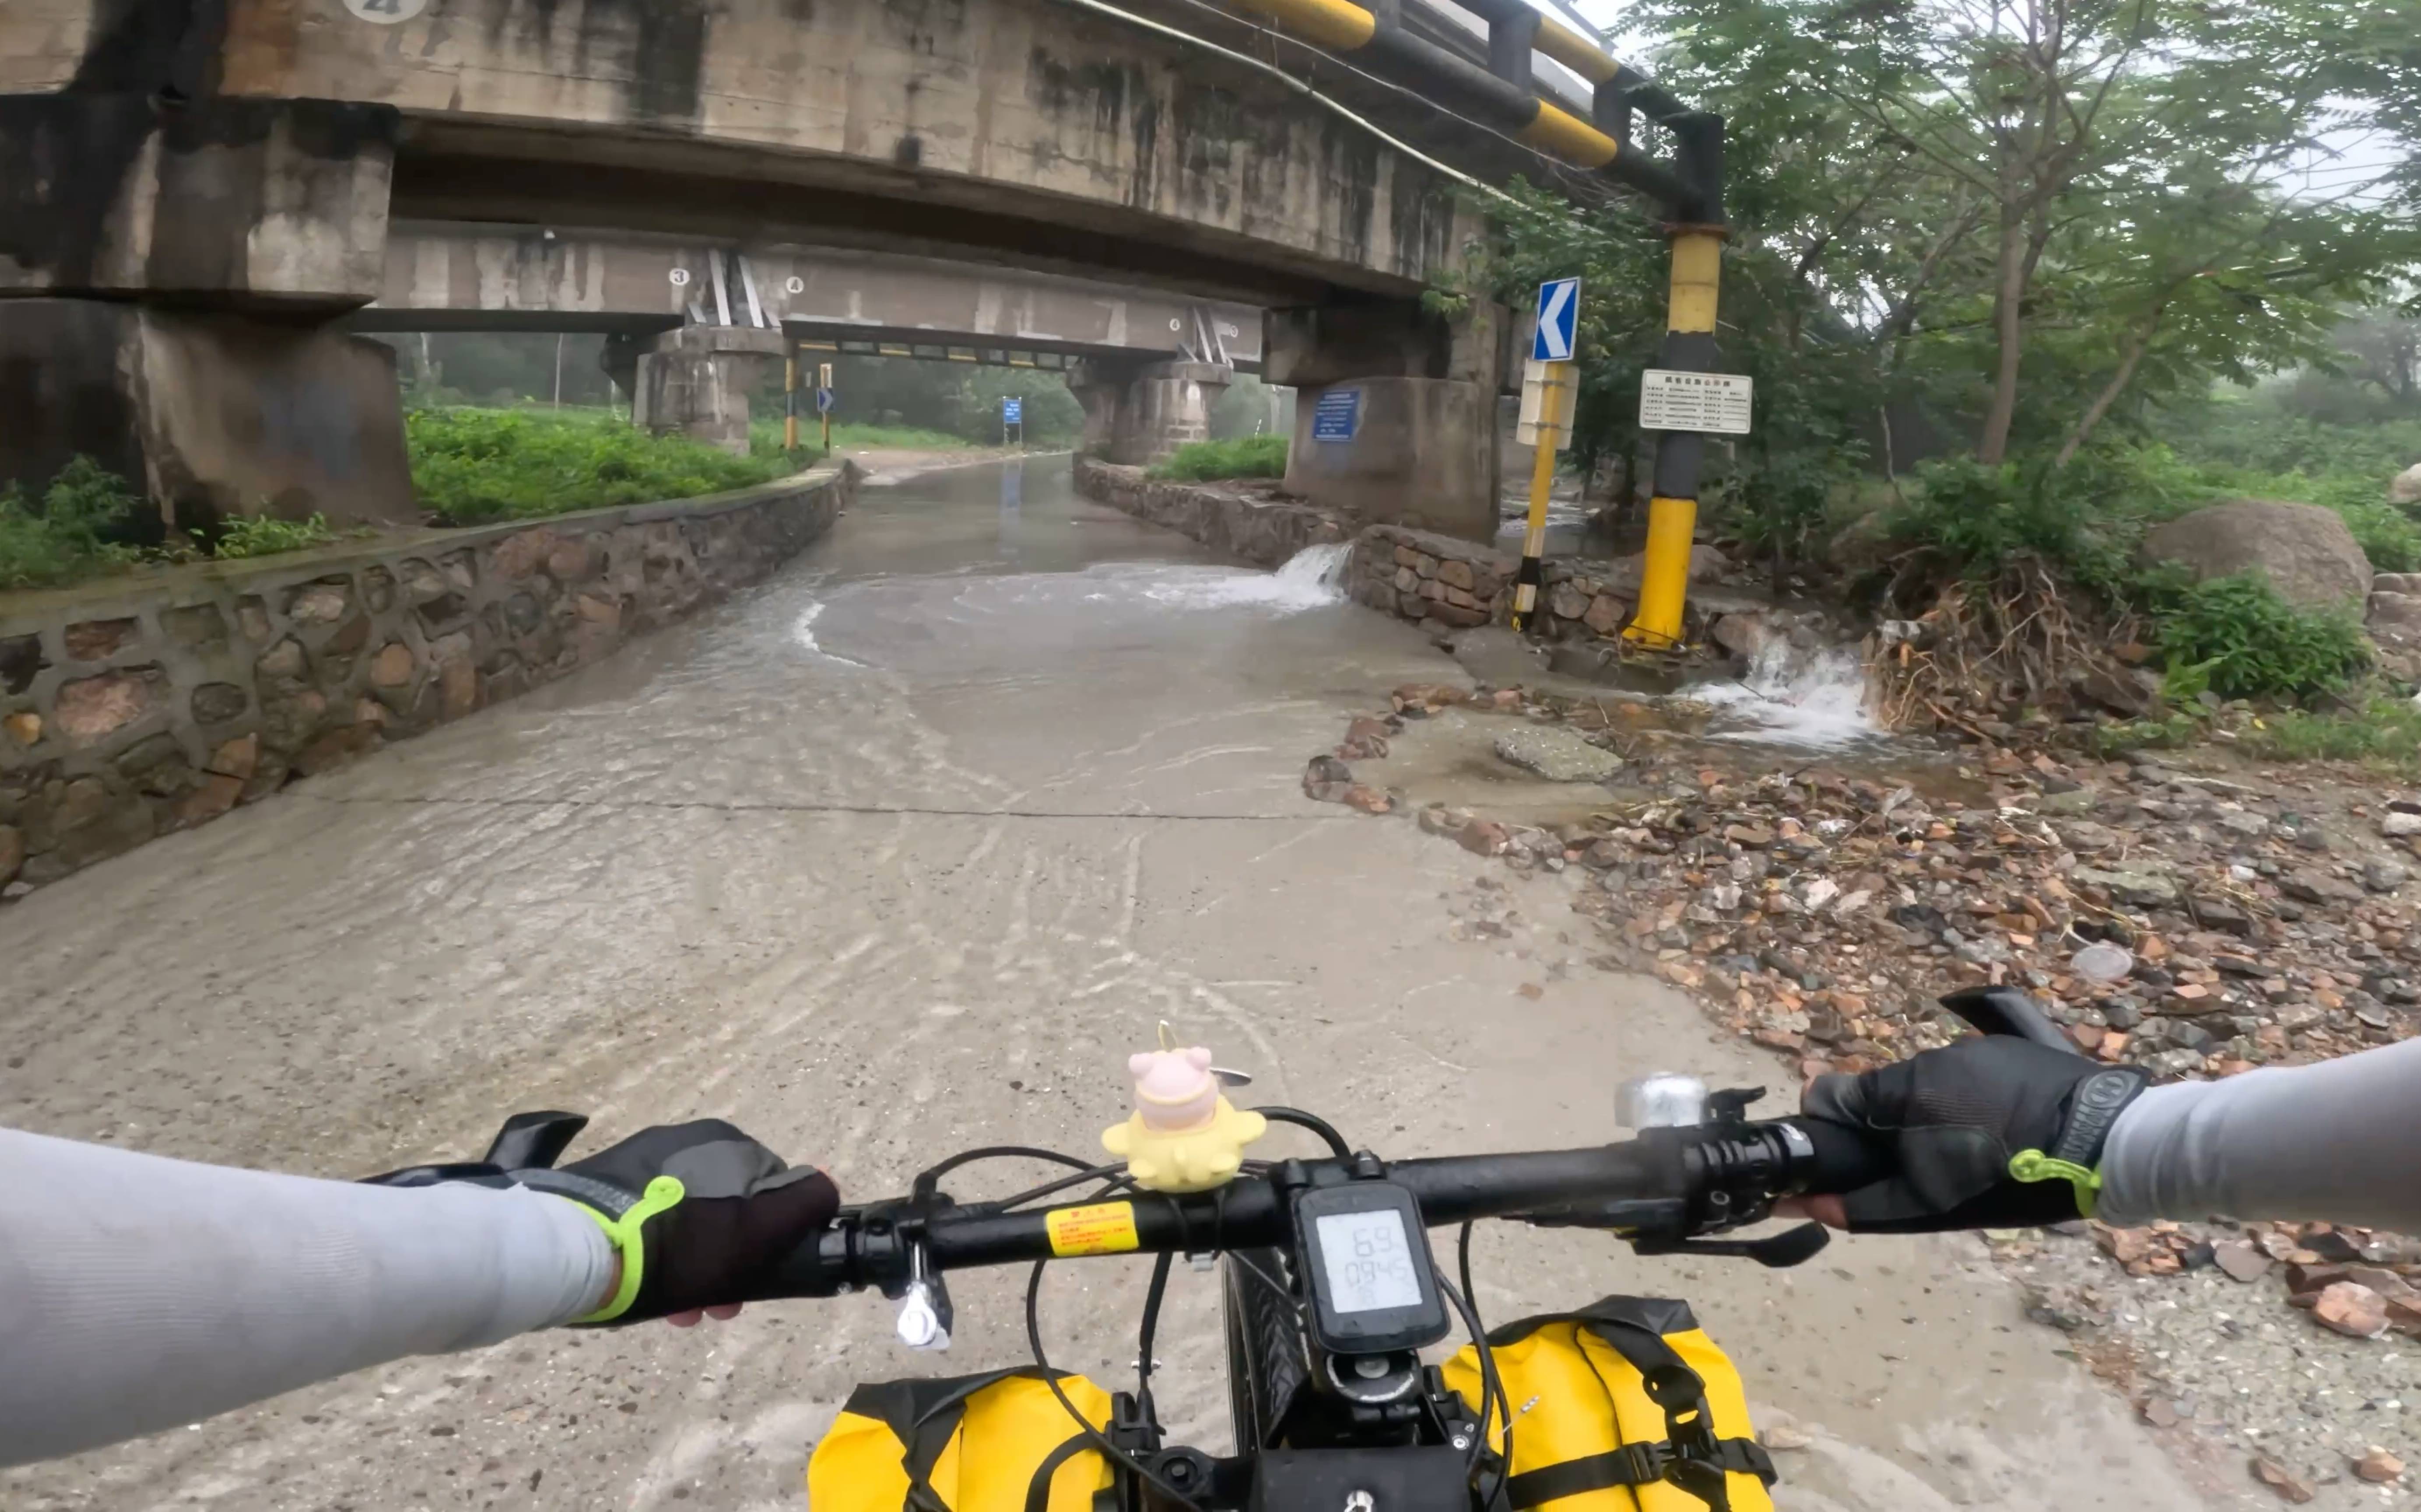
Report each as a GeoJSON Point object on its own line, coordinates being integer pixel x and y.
{"type": "Point", "coordinates": [1717, 403]}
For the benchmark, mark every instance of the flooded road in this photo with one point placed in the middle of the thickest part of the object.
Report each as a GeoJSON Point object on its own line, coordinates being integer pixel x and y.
{"type": "Point", "coordinates": [901, 853]}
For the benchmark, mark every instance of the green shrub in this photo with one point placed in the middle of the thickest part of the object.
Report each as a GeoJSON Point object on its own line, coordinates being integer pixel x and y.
{"type": "Point", "coordinates": [266, 536]}
{"type": "Point", "coordinates": [2236, 636]}
{"type": "Point", "coordinates": [470, 465]}
{"type": "Point", "coordinates": [68, 538]}
{"type": "Point", "coordinates": [1242, 456]}
{"type": "Point", "coordinates": [2084, 520]}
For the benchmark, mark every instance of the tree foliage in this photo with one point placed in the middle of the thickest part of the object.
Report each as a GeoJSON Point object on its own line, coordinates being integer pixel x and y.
{"type": "Point", "coordinates": [2014, 229]}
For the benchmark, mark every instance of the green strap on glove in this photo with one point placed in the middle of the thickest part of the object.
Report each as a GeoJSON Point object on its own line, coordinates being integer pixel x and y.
{"type": "Point", "coordinates": [700, 1214]}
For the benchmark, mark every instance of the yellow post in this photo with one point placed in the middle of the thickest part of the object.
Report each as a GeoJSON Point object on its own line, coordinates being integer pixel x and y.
{"type": "Point", "coordinates": [1673, 504]}
{"type": "Point", "coordinates": [789, 398]}
{"type": "Point", "coordinates": [1547, 429]}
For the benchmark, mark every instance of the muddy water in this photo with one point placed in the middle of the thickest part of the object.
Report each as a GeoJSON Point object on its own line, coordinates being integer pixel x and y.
{"type": "Point", "coordinates": [898, 854]}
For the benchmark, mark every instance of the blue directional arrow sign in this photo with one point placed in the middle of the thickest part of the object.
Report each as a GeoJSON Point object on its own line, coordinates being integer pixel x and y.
{"type": "Point", "coordinates": [823, 401]}
{"type": "Point", "coordinates": [1559, 312]}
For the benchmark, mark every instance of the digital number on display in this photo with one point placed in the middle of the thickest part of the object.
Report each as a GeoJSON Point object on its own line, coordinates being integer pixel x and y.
{"type": "Point", "coordinates": [1370, 1265]}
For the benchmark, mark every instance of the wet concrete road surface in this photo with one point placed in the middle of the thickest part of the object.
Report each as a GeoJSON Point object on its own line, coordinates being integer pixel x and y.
{"type": "Point", "coordinates": [898, 854]}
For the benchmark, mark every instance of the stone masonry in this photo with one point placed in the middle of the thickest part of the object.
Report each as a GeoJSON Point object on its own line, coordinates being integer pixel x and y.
{"type": "Point", "coordinates": [1419, 575]}
{"type": "Point", "coordinates": [137, 706]}
{"type": "Point", "coordinates": [1239, 519]}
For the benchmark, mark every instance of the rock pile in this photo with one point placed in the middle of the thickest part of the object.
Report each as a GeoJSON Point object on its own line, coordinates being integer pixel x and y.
{"type": "Point", "coordinates": [2192, 925]}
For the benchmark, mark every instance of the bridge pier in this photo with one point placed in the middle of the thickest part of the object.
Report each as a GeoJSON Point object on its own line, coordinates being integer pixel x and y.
{"type": "Point", "coordinates": [1409, 433]}
{"type": "Point", "coordinates": [696, 380]}
{"type": "Point", "coordinates": [1140, 413]}
{"type": "Point", "coordinates": [174, 267]}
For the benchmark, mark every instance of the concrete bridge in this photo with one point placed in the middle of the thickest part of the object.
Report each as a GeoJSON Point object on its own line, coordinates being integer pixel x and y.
{"type": "Point", "coordinates": [688, 319]}
{"type": "Point", "coordinates": [194, 191]}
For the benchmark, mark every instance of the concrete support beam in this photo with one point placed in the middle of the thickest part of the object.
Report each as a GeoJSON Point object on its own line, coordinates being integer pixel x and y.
{"type": "Point", "coordinates": [218, 203]}
{"type": "Point", "coordinates": [1141, 413]}
{"type": "Point", "coordinates": [697, 379]}
{"type": "Point", "coordinates": [214, 415]}
{"type": "Point", "coordinates": [1412, 437]}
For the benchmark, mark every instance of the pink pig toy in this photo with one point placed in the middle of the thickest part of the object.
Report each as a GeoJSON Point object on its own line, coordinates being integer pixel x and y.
{"type": "Point", "coordinates": [1175, 1091]}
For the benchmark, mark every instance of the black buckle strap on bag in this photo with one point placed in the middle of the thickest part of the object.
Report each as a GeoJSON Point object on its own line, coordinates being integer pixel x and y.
{"type": "Point", "coordinates": [1633, 1464]}
{"type": "Point", "coordinates": [925, 1413]}
{"type": "Point", "coordinates": [1038, 1490]}
{"type": "Point", "coordinates": [1694, 1459]}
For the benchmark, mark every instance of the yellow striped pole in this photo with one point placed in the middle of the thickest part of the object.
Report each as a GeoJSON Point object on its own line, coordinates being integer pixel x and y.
{"type": "Point", "coordinates": [1673, 506]}
{"type": "Point", "coordinates": [789, 398]}
{"type": "Point", "coordinates": [1548, 430]}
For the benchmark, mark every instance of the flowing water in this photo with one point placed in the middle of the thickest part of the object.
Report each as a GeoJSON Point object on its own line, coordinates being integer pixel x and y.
{"type": "Point", "coordinates": [1810, 699]}
{"type": "Point", "coordinates": [897, 854]}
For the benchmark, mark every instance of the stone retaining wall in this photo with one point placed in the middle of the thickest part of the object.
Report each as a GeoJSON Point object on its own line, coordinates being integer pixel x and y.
{"type": "Point", "coordinates": [1263, 530]}
{"type": "Point", "coordinates": [140, 704]}
{"type": "Point", "coordinates": [1421, 575]}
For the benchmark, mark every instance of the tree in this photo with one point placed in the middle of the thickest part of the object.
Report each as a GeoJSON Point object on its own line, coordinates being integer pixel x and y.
{"type": "Point", "coordinates": [2035, 213]}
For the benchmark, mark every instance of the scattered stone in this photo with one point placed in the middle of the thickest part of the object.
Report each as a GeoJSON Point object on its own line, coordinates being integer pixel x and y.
{"type": "Point", "coordinates": [2137, 886]}
{"type": "Point", "coordinates": [1327, 780]}
{"type": "Point", "coordinates": [2242, 1261]}
{"type": "Point", "coordinates": [1485, 837]}
{"type": "Point", "coordinates": [24, 727]}
{"type": "Point", "coordinates": [2377, 1466]}
{"type": "Point", "coordinates": [2159, 1411]}
{"type": "Point", "coordinates": [1557, 754]}
{"type": "Point", "coordinates": [1785, 1438]}
{"type": "Point", "coordinates": [2351, 1309]}
{"type": "Point", "coordinates": [12, 853]}
{"type": "Point", "coordinates": [2103, 962]}
{"type": "Point", "coordinates": [2289, 1487]}
{"type": "Point", "coordinates": [1369, 799]}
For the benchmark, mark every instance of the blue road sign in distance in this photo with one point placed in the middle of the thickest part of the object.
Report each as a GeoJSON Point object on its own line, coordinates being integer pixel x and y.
{"type": "Point", "coordinates": [1012, 411]}
{"type": "Point", "coordinates": [823, 401]}
{"type": "Point", "coordinates": [1337, 416]}
{"type": "Point", "coordinates": [1559, 314]}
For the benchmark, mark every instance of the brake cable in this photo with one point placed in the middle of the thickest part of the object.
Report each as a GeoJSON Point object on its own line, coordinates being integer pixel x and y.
{"type": "Point", "coordinates": [1099, 1440]}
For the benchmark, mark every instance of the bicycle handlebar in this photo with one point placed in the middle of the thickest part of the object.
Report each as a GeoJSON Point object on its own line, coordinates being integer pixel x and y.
{"type": "Point", "coordinates": [1674, 1183]}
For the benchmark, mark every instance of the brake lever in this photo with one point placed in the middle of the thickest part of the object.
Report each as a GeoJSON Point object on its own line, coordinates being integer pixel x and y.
{"type": "Point", "coordinates": [1775, 1252]}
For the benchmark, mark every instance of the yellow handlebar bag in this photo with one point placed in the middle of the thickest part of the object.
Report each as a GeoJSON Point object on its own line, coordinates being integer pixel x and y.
{"type": "Point", "coordinates": [1624, 1406]}
{"type": "Point", "coordinates": [995, 1442]}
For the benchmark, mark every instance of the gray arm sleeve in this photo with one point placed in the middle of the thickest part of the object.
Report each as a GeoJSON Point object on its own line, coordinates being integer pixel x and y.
{"type": "Point", "coordinates": [2339, 1140]}
{"type": "Point", "coordinates": [139, 1293]}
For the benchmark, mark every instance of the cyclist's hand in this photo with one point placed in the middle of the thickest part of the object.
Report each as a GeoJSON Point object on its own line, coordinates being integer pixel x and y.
{"type": "Point", "coordinates": [1993, 1133]}
{"type": "Point", "coordinates": [699, 1215]}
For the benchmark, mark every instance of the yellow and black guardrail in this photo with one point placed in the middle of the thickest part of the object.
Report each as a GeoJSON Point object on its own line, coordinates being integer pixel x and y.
{"type": "Point", "coordinates": [1502, 94]}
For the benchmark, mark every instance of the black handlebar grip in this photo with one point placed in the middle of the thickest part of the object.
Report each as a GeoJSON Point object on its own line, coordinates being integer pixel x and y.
{"type": "Point", "coordinates": [1846, 1159]}
{"type": "Point", "coordinates": [2004, 1010]}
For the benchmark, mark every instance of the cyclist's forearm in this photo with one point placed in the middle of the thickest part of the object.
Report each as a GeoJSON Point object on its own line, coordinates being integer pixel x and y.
{"type": "Point", "coordinates": [2339, 1140]}
{"type": "Point", "coordinates": [139, 1293]}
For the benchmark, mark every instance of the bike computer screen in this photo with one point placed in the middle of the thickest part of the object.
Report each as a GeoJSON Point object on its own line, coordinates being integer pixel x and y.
{"type": "Point", "coordinates": [1366, 1257]}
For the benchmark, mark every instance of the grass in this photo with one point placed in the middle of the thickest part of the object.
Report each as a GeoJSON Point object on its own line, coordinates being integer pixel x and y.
{"type": "Point", "coordinates": [265, 536]}
{"type": "Point", "coordinates": [1245, 456]}
{"type": "Point", "coordinates": [2384, 732]}
{"type": "Point", "coordinates": [765, 437]}
{"type": "Point", "coordinates": [471, 465]}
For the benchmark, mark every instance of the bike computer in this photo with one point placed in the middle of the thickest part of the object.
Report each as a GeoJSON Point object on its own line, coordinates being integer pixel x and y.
{"type": "Point", "coordinates": [1373, 1287]}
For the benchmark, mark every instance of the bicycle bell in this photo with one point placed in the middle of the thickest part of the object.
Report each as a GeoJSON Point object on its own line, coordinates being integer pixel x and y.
{"type": "Point", "coordinates": [1663, 1099]}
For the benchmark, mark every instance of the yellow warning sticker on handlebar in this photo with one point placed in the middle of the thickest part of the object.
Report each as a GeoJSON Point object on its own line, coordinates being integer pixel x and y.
{"type": "Point", "coordinates": [1103, 1228]}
